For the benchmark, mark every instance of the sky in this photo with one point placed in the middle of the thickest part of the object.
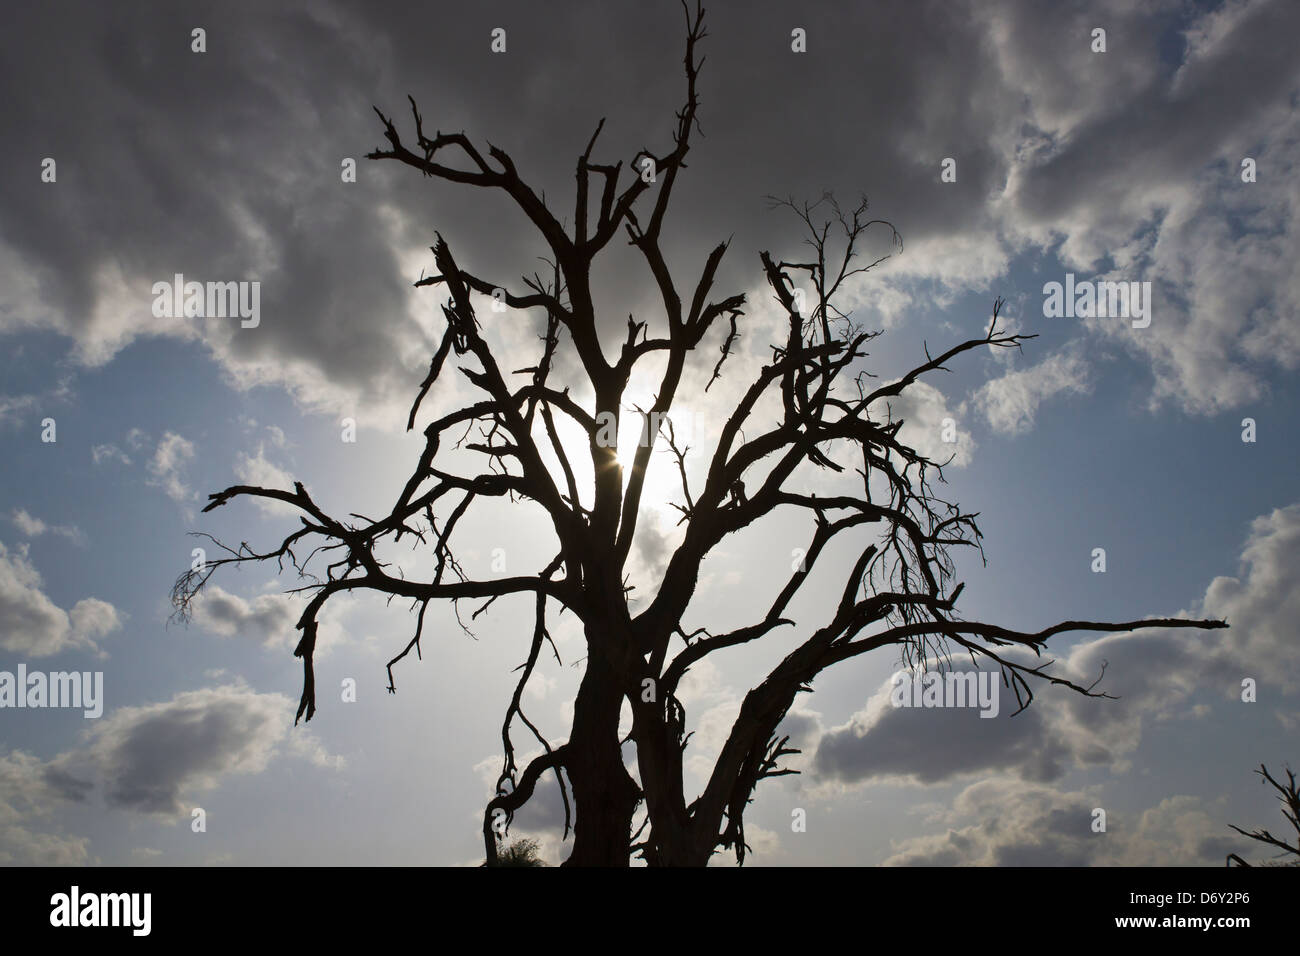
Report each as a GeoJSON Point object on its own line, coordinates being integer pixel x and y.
{"type": "Point", "coordinates": [1005, 147]}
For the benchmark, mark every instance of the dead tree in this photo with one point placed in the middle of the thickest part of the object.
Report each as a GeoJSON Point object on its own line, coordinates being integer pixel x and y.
{"type": "Point", "coordinates": [898, 593]}
{"type": "Point", "coordinates": [1290, 799]}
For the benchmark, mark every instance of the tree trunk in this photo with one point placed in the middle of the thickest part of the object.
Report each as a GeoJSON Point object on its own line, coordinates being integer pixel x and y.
{"type": "Point", "coordinates": [604, 795]}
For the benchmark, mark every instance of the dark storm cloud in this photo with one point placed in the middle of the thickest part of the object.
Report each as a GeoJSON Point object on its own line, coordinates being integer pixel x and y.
{"type": "Point", "coordinates": [1161, 132]}
{"type": "Point", "coordinates": [934, 745]}
{"type": "Point", "coordinates": [219, 166]}
{"type": "Point", "coordinates": [225, 165]}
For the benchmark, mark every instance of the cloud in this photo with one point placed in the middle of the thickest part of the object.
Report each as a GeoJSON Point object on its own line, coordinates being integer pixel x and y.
{"type": "Point", "coordinates": [1130, 155]}
{"type": "Point", "coordinates": [93, 618]}
{"type": "Point", "coordinates": [1015, 825]}
{"type": "Point", "coordinates": [1125, 164]}
{"type": "Point", "coordinates": [1010, 403]}
{"type": "Point", "coordinates": [257, 470]}
{"type": "Point", "coordinates": [1146, 185]}
{"type": "Point", "coordinates": [154, 758]}
{"type": "Point", "coordinates": [13, 406]}
{"type": "Point", "coordinates": [110, 452]}
{"type": "Point", "coordinates": [268, 619]}
{"type": "Point", "coordinates": [1160, 674]}
{"type": "Point", "coordinates": [25, 808]}
{"type": "Point", "coordinates": [1154, 674]}
{"type": "Point", "coordinates": [653, 545]}
{"type": "Point", "coordinates": [29, 526]}
{"type": "Point", "coordinates": [256, 225]}
{"type": "Point", "coordinates": [541, 818]}
{"type": "Point", "coordinates": [169, 459]}
{"type": "Point", "coordinates": [1005, 822]}
{"type": "Point", "coordinates": [33, 625]}
{"type": "Point", "coordinates": [803, 727]}
{"type": "Point", "coordinates": [33, 527]}
{"type": "Point", "coordinates": [1262, 603]}
{"type": "Point", "coordinates": [930, 745]}
{"type": "Point", "coordinates": [711, 702]}
{"type": "Point", "coordinates": [136, 440]}
{"type": "Point", "coordinates": [927, 419]}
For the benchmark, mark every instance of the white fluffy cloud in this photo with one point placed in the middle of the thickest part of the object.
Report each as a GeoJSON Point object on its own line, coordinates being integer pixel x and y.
{"type": "Point", "coordinates": [145, 758]}
{"type": "Point", "coordinates": [1009, 403]}
{"type": "Point", "coordinates": [167, 465]}
{"type": "Point", "coordinates": [33, 625]}
{"type": "Point", "coordinates": [29, 526]}
{"type": "Point", "coordinates": [32, 527]}
{"type": "Point", "coordinates": [1146, 185]}
{"type": "Point", "coordinates": [150, 759]}
{"type": "Point", "coordinates": [108, 452]}
{"type": "Point", "coordinates": [926, 418]}
{"type": "Point", "coordinates": [268, 618]}
{"type": "Point", "coordinates": [258, 470]}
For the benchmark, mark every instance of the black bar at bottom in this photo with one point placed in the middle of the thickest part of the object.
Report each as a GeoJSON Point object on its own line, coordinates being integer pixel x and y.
{"type": "Point", "coordinates": [330, 905]}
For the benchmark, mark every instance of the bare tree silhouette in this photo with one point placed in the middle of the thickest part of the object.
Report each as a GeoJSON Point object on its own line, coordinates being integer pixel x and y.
{"type": "Point", "coordinates": [899, 592]}
{"type": "Point", "coordinates": [1290, 798]}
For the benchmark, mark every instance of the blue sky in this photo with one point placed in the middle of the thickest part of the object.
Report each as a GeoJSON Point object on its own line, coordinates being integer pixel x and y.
{"type": "Point", "coordinates": [1123, 165]}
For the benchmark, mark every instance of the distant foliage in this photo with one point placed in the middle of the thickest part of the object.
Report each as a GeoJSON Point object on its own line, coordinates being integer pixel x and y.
{"type": "Point", "coordinates": [520, 853]}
